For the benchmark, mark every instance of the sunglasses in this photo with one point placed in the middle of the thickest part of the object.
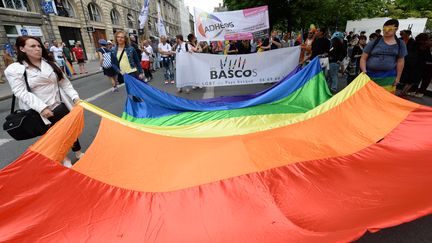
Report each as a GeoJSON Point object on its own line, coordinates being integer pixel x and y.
{"type": "Point", "coordinates": [390, 28]}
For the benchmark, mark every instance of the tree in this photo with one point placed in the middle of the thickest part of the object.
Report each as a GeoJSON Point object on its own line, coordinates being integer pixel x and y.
{"type": "Point", "coordinates": [401, 9]}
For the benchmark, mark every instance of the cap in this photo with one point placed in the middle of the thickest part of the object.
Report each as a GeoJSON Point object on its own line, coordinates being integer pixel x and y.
{"type": "Point", "coordinates": [102, 42]}
{"type": "Point", "coordinates": [109, 42]}
{"type": "Point", "coordinates": [338, 35]}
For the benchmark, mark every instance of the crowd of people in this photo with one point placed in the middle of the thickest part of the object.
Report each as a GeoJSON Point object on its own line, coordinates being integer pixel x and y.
{"type": "Point", "coordinates": [393, 62]}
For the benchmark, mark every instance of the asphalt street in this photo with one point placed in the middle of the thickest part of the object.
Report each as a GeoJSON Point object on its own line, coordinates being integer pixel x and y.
{"type": "Point", "coordinates": [419, 230]}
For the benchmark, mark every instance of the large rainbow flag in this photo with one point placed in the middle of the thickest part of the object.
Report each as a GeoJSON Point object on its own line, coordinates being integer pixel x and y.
{"type": "Point", "coordinates": [359, 161]}
{"type": "Point", "coordinates": [297, 93]}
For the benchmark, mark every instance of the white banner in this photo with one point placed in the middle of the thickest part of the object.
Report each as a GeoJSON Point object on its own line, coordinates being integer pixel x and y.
{"type": "Point", "coordinates": [209, 70]}
{"type": "Point", "coordinates": [160, 23]}
{"type": "Point", "coordinates": [233, 25]}
{"type": "Point", "coordinates": [144, 13]}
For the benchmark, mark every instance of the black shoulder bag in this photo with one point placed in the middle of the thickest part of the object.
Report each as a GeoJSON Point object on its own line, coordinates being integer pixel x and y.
{"type": "Point", "coordinates": [24, 124]}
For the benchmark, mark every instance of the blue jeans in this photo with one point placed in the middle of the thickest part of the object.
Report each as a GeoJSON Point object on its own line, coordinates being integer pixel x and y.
{"type": "Point", "coordinates": [156, 60]}
{"type": "Point", "coordinates": [333, 76]}
{"type": "Point", "coordinates": [168, 73]}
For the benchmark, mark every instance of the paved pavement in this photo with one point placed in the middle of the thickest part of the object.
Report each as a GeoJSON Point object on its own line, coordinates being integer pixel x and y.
{"type": "Point", "coordinates": [93, 86]}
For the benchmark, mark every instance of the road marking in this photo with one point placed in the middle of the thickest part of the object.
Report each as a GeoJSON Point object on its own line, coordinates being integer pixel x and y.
{"type": "Point", "coordinates": [101, 94]}
{"type": "Point", "coordinates": [209, 93]}
{"type": "Point", "coordinates": [4, 141]}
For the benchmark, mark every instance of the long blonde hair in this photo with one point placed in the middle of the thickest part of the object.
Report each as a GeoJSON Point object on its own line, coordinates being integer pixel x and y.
{"type": "Point", "coordinates": [125, 35]}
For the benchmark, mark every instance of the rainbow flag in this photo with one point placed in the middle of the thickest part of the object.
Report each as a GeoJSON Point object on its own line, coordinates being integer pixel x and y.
{"type": "Point", "coordinates": [384, 79]}
{"type": "Point", "coordinates": [359, 161]}
{"type": "Point", "coordinates": [302, 91]}
{"type": "Point", "coordinates": [69, 69]}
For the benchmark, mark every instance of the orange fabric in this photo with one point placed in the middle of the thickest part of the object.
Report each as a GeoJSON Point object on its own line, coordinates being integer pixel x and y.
{"type": "Point", "coordinates": [62, 136]}
{"type": "Point", "coordinates": [329, 200]}
{"type": "Point", "coordinates": [157, 163]}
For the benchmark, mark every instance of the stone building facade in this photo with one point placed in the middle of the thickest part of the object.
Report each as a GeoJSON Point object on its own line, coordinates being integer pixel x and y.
{"type": "Point", "coordinates": [73, 18]}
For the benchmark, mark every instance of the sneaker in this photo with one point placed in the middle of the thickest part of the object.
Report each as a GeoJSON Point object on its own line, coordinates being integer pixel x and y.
{"type": "Point", "coordinates": [172, 81]}
{"type": "Point", "coordinates": [179, 90]}
{"type": "Point", "coordinates": [113, 89]}
{"type": "Point", "coordinates": [419, 95]}
{"type": "Point", "coordinates": [187, 91]}
{"type": "Point", "coordinates": [194, 87]}
{"type": "Point", "coordinates": [411, 93]}
{"type": "Point", "coordinates": [67, 162]}
{"type": "Point", "coordinates": [166, 82]}
{"type": "Point", "coordinates": [79, 154]}
{"type": "Point", "coordinates": [146, 80]}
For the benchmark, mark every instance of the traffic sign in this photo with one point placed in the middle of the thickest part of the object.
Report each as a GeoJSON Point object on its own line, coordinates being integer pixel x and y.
{"type": "Point", "coordinates": [24, 32]}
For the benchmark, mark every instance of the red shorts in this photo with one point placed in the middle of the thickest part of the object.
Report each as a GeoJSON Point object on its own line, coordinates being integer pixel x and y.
{"type": "Point", "coordinates": [145, 65]}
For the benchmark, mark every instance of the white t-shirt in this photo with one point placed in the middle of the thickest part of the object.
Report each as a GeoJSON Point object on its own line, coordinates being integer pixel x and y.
{"type": "Point", "coordinates": [182, 47]}
{"type": "Point", "coordinates": [144, 56]}
{"type": "Point", "coordinates": [167, 47]}
{"type": "Point", "coordinates": [57, 52]}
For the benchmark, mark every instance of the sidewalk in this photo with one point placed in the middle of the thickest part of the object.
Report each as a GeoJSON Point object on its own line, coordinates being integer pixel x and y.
{"type": "Point", "coordinates": [92, 68]}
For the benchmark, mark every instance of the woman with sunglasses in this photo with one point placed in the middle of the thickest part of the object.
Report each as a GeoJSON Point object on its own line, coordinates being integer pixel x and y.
{"type": "Point", "coordinates": [383, 59]}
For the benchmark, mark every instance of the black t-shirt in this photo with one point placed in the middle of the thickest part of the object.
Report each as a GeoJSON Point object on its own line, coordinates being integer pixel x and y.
{"type": "Point", "coordinates": [242, 49]}
{"type": "Point", "coordinates": [273, 46]}
{"type": "Point", "coordinates": [357, 50]}
{"type": "Point", "coordinates": [320, 46]}
{"type": "Point", "coordinates": [337, 52]}
{"type": "Point", "coordinates": [233, 47]}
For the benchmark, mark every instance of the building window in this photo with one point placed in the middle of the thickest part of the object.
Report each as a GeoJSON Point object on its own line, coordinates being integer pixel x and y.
{"type": "Point", "coordinates": [94, 13]}
{"type": "Point", "coordinates": [15, 4]}
{"type": "Point", "coordinates": [130, 21]}
{"type": "Point", "coordinates": [69, 9]}
{"type": "Point", "coordinates": [64, 8]}
{"type": "Point", "coordinates": [114, 17]}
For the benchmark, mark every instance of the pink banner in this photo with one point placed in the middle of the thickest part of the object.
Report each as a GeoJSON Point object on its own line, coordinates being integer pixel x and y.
{"type": "Point", "coordinates": [239, 36]}
{"type": "Point", "coordinates": [253, 11]}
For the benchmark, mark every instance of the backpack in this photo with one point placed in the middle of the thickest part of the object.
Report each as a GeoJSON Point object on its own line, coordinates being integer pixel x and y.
{"type": "Point", "coordinates": [106, 59]}
{"type": "Point", "coordinates": [378, 40]}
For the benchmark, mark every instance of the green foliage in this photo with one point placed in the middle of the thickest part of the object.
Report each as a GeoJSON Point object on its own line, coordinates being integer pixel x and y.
{"type": "Point", "coordinates": [298, 14]}
{"type": "Point", "coordinates": [401, 9]}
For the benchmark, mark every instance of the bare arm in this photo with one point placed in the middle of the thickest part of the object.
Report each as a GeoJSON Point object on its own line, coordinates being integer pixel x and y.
{"type": "Point", "coordinates": [162, 52]}
{"type": "Point", "coordinates": [100, 58]}
{"type": "Point", "coordinates": [363, 60]}
{"type": "Point", "coordinates": [399, 68]}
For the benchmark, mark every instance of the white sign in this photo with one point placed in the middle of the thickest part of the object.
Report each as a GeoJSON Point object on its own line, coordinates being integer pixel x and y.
{"type": "Point", "coordinates": [30, 30]}
{"type": "Point", "coordinates": [233, 25]}
{"type": "Point", "coordinates": [144, 13]}
{"type": "Point", "coordinates": [209, 70]}
{"type": "Point", "coordinates": [160, 23]}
